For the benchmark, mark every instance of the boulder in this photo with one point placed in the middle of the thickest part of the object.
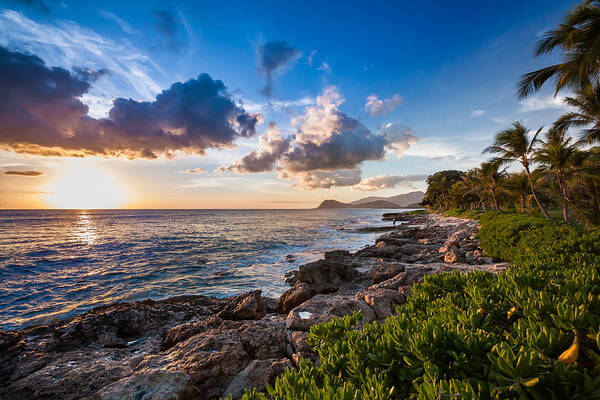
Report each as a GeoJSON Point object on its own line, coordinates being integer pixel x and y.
{"type": "Point", "coordinates": [385, 271]}
{"type": "Point", "coordinates": [246, 306]}
{"type": "Point", "coordinates": [182, 332]}
{"type": "Point", "coordinates": [331, 255]}
{"type": "Point", "coordinates": [299, 342]}
{"type": "Point", "coordinates": [158, 385]}
{"type": "Point", "coordinates": [406, 278]}
{"type": "Point", "coordinates": [451, 256]}
{"type": "Point", "coordinates": [326, 276]}
{"type": "Point", "coordinates": [322, 308]}
{"type": "Point", "coordinates": [8, 340]}
{"type": "Point", "coordinates": [214, 357]}
{"type": "Point", "coordinates": [382, 301]}
{"type": "Point", "coordinates": [411, 248]}
{"type": "Point", "coordinates": [257, 375]}
{"type": "Point", "coordinates": [293, 297]}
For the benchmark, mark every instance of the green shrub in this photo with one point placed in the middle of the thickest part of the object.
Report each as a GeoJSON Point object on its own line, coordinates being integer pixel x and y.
{"type": "Point", "coordinates": [476, 335]}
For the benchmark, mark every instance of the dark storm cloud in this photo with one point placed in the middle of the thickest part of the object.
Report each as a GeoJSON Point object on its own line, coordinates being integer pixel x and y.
{"type": "Point", "coordinates": [41, 113]}
{"type": "Point", "coordinates": [273, 58]}
{"type": "Point", "coordinates": [24, 173]}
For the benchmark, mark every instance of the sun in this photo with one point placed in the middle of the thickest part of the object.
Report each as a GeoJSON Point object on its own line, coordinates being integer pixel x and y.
{"type": "Point", "coordinates": [85, 187]}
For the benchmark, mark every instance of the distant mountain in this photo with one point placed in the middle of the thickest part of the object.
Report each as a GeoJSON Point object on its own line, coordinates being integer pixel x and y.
{"type": "Point", "coordinates": [402, 200]}
{"type": "Point", "coordinates": [333, 204]}
{"type": "Point", "coordinates": [371, 204]}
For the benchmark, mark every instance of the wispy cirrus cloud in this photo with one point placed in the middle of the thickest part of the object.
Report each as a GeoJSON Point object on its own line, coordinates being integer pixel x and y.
{"type": "Point", "coordinates": [124, 25]}
{"type": "Point", "coordinates": [477, 113]}
{"type": "Point", "coordinates": [69, 45]}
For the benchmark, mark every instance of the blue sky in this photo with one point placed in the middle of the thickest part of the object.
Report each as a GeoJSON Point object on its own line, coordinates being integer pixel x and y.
{"type": "Point", "coordinates": [447, 70]}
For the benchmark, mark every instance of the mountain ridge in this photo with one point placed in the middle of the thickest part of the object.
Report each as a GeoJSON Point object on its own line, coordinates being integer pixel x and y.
{"type": "Point", "coordinates": [406, 200]}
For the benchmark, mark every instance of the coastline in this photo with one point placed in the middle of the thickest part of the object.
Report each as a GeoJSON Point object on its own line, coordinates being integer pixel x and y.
{"type": "Point", "coordinates": [190, 347]}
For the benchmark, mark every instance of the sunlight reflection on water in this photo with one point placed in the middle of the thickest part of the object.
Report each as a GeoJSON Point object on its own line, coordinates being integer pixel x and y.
{"type": "Point", "coordinates": [62, 262]}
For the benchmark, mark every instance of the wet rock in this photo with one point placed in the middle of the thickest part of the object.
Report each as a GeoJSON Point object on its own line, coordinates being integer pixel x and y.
{"type": "Point", "coordinates": [293, 297]}
{"type": "Point", "coordinates": [246, 306]}
{"type": "Point", "coordinates": [393, 241]}
{"type": "Point", "coordinates": [8, 340]}
{"type": "Point", "coordinates": [257, 374]}
{"type": "Point", "coordinates": [158, 385]}
{"type": "Point", "coordinates": [322, 308]}
{"type": "Point", "coordinates": [386, 271]}
{"type": "Point", "coordinates": [290, 258]}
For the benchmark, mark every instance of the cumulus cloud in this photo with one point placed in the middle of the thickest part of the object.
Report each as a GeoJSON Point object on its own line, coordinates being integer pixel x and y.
{"type": "Point", "coordinates": [388, 182]}
{"type": "Point", "coordinates": [327, 139]}
{"type": "Point", "coordinates": [274, 58]}
{"type": "Point", "coordinates": [323, 179]}
{"type": "Point", "coordinates": [24, 173]}
{"type": "Point", "coordinates": [41, 113]}
{"type": "Point", "coordinates": [327, 147]}
{"type": "Point", "coordinates": [193, 171]}
{"type": "Point", "coordinates": [399, 137]}
{"type": "Point", "coordinates": [376, 106]}
{"type": "Point", "coordinates": [271, 146]}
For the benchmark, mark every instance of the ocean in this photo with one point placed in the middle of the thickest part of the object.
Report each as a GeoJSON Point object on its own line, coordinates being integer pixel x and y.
{"type": "Point", "coordinates": [58, 263]}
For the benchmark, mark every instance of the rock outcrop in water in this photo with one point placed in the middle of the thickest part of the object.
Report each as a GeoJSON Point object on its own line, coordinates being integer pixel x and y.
{"type": "Point", "coordinates": [195, 347]}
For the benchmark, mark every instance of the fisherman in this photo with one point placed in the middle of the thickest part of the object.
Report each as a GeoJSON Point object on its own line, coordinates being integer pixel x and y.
{"type": "Point", "coordinates": [394, 221]}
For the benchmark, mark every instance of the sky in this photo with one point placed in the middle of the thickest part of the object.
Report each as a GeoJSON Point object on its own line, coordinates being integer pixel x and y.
{"type": "Point", "coordinates": [143, 104]}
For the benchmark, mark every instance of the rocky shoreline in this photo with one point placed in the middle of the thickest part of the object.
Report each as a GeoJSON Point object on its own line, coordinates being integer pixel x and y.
{"type": "Point", "coordinates": [196, 347]}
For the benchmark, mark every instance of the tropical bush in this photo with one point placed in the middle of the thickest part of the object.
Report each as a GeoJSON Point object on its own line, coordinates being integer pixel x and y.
{"type": "Point", "coordinates": [531, 332]}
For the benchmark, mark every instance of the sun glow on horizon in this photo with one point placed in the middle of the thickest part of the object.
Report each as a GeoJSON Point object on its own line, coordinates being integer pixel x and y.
{"type": "Point", "coordinates": [85, 187]}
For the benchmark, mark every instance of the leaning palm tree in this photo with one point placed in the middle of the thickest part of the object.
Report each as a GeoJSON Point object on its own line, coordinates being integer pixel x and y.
{"type": "Point", "coordinates": [587, 114]}
{"type": "Point", "coordinates": [513, 144]}
{"type": "Point", "coordinates": [577, 38]}
{"type": "Point", "coordinates": [491, 179]}
{"type": "Point", "coordinates": [556, 158]}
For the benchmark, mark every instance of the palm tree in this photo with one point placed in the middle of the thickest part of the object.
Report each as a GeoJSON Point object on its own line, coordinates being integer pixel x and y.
{"type": "Point", "coordinates": [587, 104]}
{"type": "Point", "coordinates": [577, 38]}
{"type": "Point", "coordinates": [518, 186]}
{"type": "Point", "coordinates": [473, 186]}
{"type": "Point", "coordinates": [555, 156]}
{"type": "Point", "coordinates": [491, 179]}
{"type": "Point", "coordinates": [513, 144]}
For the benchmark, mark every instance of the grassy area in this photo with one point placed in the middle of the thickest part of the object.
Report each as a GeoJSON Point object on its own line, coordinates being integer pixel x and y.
{"type": "Point", "coordinates": [531, 332]}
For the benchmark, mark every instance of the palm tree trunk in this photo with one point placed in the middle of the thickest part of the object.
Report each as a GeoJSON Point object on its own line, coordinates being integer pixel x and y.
{"type": "Point", "coordinates": [563, 190]}
{"type": "Point", "coordinates": [542, 209]}
{"type": "Point", "coordinates": [496, 206]}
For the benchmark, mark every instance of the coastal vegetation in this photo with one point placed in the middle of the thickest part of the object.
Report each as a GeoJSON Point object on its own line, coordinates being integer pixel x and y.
{"type": "Point", "coordinates": [530, 332]}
